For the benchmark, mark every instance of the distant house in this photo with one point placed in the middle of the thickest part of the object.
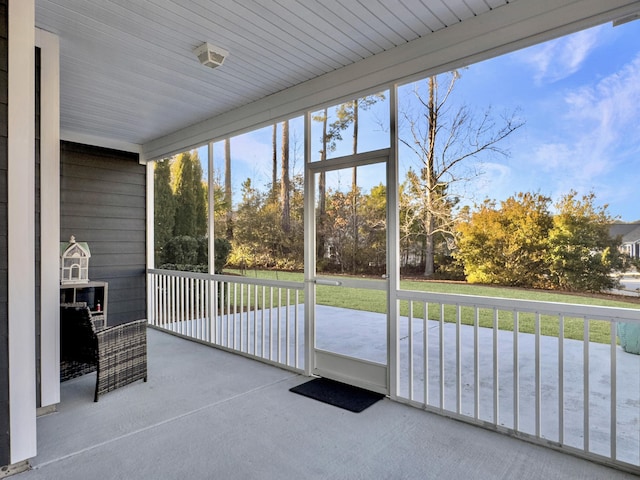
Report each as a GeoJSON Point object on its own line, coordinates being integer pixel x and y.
{"type": "Point", "coordinates": [630, 236]}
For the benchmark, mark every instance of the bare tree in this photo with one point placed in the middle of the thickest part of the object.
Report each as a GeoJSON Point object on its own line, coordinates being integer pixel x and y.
{"type": "Point", "coordinates": [442, 138]}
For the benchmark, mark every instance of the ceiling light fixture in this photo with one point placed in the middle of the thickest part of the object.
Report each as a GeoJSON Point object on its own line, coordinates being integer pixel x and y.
{"type": "Point", "coordinates": [210, 55]}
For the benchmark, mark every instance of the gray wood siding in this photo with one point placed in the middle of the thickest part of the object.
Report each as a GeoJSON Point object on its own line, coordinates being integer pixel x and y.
{"type": "Point", "coordinates": [102, 202]}
{"type": "Point", "coordinates": [4, 325]}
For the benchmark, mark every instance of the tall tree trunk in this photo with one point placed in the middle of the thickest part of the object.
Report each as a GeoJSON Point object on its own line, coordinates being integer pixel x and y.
{"type": "Point", "coordinates": [322, 197]}
{"type": "Point", "coordinates": [274, 162]}
{"type": "Point", "coordinates": [285, 184]}
{"type": "Point", "coordinates": [227, 187]}
{"type": "Point", "coordinates": [430, 179]}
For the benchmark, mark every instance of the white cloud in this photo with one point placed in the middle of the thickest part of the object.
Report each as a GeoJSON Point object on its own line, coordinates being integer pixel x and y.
{"type": "Point", "coordinates": [251, 157]}
{"type": "Point", "coordinates": [596, 130]}
{"type": "Point", "coordinates": [496, 181]}
{"type": "Point", "coordinates": [558, 59]}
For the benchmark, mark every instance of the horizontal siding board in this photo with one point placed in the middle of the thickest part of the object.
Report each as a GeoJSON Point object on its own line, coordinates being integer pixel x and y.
{"type": "Point", "coordinates": [106, 272]}
{"type": "Point", "coordinates": [92, 236]}
{"type": "Point", "coordinates": [88, 210]}
{"type": "Point", "coordinates": [116, 259]}
{"type": "Point", "coordinates": [77, 224]}
{"type": "Point", "coordinates": [99, 247]}
{"type": "Point", "coordinates": [73, 150]}
{"type": "Point", "coordinates": [80, 188]}
{"type": "Point", "coordinates": [135, 284]}
{"type": "Point", "coordinates": [77, 157]}
{"type": "Point", "coordinates": [101, 175]}
{"type": "Point", "coordinates": [112, 199]}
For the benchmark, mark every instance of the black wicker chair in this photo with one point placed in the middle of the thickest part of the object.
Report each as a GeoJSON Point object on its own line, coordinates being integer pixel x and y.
{"type": "Point", "coordinates": [118, 354]}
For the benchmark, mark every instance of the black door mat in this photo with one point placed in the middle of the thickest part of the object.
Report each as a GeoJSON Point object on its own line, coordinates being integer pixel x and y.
{"type": "Point", "coordinates": [341, 395]}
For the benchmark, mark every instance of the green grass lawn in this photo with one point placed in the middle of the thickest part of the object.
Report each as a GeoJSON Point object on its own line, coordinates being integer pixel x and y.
{"type": "Point", "coordinates": [375, 301]}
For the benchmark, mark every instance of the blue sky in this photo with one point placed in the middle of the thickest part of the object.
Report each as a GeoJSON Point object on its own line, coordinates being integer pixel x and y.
{"type": "Point", "coordinates": [579, 96]}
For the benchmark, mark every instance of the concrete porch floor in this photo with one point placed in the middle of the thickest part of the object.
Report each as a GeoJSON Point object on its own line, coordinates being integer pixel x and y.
{"type": "Point", "coordinates": [208, 414]}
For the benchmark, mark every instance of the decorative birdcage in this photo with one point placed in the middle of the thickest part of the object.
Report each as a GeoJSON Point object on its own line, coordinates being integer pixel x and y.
{"type": "Point", "coordinates": [74, 262]}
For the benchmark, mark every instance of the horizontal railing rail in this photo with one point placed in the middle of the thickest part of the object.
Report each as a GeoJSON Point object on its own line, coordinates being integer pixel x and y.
{"type": "Point", "coordinates": [259, 318]}
{"type": "Point", "coordinates": [594, 312]}
{"type": "Point", "coordinates": [551, 373]}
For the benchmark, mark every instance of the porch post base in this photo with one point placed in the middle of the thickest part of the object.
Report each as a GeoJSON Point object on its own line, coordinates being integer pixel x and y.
{"type": "Point", "coordinates": [15, 468]}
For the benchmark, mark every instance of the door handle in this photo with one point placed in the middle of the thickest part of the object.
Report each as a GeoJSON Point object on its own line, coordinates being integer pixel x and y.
{"type": "Point", "coordinates": [333, 283]}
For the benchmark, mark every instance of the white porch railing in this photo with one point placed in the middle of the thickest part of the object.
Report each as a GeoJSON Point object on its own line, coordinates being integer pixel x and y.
{"type": "Point", "coordinates": [514, 366]}
{"type": "Point", "coordinates": [254, 317]}
{"type": "Point", "coordinates": [533, 382]}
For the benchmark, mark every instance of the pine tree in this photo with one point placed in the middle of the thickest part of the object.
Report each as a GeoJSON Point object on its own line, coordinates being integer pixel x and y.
{"type": "Point", "coordinates": [164, 208]}
{"type": "Point", "coordinates": [190, 216]}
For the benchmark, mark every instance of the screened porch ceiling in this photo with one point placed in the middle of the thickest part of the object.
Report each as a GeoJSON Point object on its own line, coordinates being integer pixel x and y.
{"type": "Point", "coordinates": [129, 78]}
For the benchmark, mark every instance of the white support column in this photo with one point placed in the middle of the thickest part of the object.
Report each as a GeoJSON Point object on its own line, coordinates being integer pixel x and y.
{"type": "Point", "coordinates": [393, 246]}
{"type": "Point", "coordinates": [21, 230]}
{"type": "Point", "coordinates": [49, 217]}
{"type": "Point", "coordinates": [309, 253]}
{"type": "Point", "coordinates": [151, 249]}
{"type": "Point", "coordinates": [213, 289]}
{"type": "Point", "coordinates": [150, 216]}
{"type": "Point", "coordinates": [212, 253]}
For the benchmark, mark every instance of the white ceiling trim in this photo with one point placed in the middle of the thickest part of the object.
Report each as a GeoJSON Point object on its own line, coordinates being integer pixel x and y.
{"type": "Point", "coordinates": [507, 28]}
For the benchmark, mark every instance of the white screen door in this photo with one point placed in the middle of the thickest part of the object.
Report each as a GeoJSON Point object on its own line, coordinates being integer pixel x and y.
{"type": "Point", "coordinates": [350, 311]}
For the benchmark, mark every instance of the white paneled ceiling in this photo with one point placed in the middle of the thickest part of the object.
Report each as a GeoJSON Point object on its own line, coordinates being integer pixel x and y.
{"type": "Point", "coordinates": [128, 72]}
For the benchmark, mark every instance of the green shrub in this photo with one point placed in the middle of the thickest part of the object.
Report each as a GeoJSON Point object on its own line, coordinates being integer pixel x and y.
{"type": "Point", "coordinates": [222, 248]}
{"type": "Point", "coordinates": [181, 250]}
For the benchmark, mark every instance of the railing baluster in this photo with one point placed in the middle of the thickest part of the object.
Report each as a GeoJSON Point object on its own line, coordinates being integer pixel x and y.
{"type": "Point", "coordinates": [538, 387]}
{"type": "Point", "coordinates": [255, 318]}
{"type": "Point", "coordinates": [231, 331]}
{"type": "Point", "coordinates": [561, 380]}
{"type": "Point", "coordinates": [189, 306]}
{"type": "Point", "coordinates": [198, 305]}
{"type": "Point", "coordinates": [183, 306]}
{"type": "Point", "coordinates": [208, 307]}
{"type": "Point", "coordinates": [476, 363]}
{"type": "Point", "coordinates": [165, 305]}
{"type": "Point", "coordinates": [271, 323]}
{"type": "Point", "coordinates": [235, 318]}
{"type": "Point", "coordinates": [279, 349]}
{"type": "Point", "coordinates": [425, 341]}
{"type": "Point", "coordinates": [516, 372]}
{"type": "Point", "coordinates": [441, 356]}
{"type": "Point", "coordinates": [585, 373]}
{"type": "Point", "coordinates": [197, 313]}
{"type": "Point", "coordinates": [458, 360]}
{"type": "Point", "coordinates": [496, 370]}
{"type": "Point", "coordinates": [297, 333]}
{"type": "Point", "coordinates": [262, 322]}
{"type": "Point", "coordinates": [287, 334]}
{"type": "Point", "coordinates": [173, 305]}
{"type": "Point", "coordinates": [410, 346]}
{"type": "Point", "coordinates": [613, 433]}
{"type": "Point", "coordinates": [245, 314]}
